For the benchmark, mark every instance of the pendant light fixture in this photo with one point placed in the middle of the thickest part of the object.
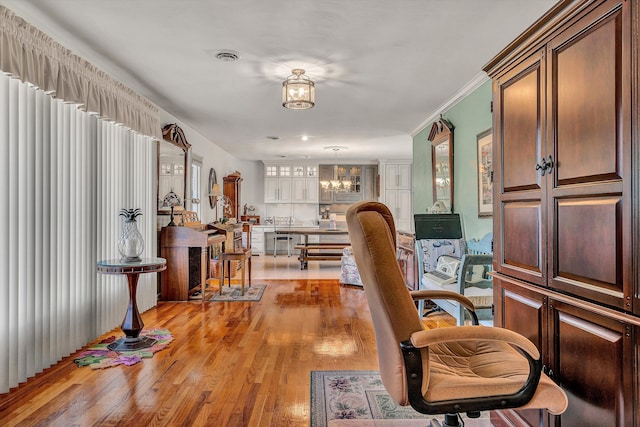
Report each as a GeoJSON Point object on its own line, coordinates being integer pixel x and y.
{"type": "Point", "coordinates": [338, 184]}
{"type": "Point", "coordinates": [298, 91]}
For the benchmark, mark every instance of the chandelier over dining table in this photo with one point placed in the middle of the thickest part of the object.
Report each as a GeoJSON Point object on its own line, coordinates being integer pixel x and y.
{"type": "Point", "coordinates": [336, 184]}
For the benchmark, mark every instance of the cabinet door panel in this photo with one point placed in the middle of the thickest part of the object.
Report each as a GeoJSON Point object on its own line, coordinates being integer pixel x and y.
{"type": "Point", "coordinates": [586, 84]}
{"type": "Point", "coordinates": [589, 246]}
{"type": "Point", "coordinates": [520, 204]}
{"type": "Point", "coordinates": [521, 310]}
{"type": "Point", "coordinates": [326, 174]}
{"type": "Point", "coordinates": [591, 358]}
{"type": "Point", "coordinates": [284, 185]}
{"type": "Point", "coordinates": [298, 190]}
{"type": "Point", "coordinates": [524, 311]}
{"type": "Point", "coordinates": [521, 107]}
{"type": "Point", "coordinates": [311, 190]}
{"type": "Point", "coordinates": [589, 225]}
{"type": "Point", "coordinates": [521, 235]}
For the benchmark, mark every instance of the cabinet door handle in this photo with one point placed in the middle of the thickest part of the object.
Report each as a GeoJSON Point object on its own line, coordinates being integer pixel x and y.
{"type": "Point", "coordinates": [549, 166]}
{"type": "Point", "coordinates": [542, 167]}
{"type": "Point", "coordinates": [545, 166]}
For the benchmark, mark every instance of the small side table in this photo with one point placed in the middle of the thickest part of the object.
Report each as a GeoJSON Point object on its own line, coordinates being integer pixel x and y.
{"type": "Point", "coordinates": [132, 323]}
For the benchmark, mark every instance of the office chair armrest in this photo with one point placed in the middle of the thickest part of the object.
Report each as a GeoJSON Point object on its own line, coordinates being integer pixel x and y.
{"type": "Point", "coordinates": [448, 295]}
{"type": "Point", "coordinates": [426, 338]}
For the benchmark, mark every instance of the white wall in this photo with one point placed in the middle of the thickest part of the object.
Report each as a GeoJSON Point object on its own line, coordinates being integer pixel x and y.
{"type": "Point", "coordinates": [252, 191]}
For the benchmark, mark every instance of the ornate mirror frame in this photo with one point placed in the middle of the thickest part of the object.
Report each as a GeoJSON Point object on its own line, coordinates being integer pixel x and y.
{"type": "Point", "coordinates": [441, 138]}
{"type": "Point", "coordinates": [213, 180]}
{"type": "Point", "coordinates": [173, 146]}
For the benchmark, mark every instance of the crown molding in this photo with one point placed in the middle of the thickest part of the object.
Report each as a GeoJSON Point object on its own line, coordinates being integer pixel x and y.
{"type": "Point", "coordinates": [462, 93]}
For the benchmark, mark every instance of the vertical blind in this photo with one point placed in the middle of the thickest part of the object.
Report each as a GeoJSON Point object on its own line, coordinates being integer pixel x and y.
{"type": "Point", "coordinates": [64, 176]}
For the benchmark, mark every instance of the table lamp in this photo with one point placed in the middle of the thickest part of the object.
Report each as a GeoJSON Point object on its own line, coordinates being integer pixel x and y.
{"type": "Point", "coordinates": [172, 200]}
{"type": "Point", "coordinates": [215, 195]}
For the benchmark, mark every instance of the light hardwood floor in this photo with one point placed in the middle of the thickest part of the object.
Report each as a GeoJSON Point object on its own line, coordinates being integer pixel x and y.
{"type": "Point", "coordinates": [230, 364]}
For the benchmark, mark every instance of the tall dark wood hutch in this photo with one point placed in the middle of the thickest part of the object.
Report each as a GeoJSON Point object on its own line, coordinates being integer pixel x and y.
{"type": "Point", "coordinates": [566, 207]}
{"type": "Point", "coordinates": [231, 189]}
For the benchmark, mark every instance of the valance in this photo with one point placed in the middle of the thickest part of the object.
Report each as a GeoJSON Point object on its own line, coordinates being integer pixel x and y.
{"type": "Point", "coordinates": [34, 57]}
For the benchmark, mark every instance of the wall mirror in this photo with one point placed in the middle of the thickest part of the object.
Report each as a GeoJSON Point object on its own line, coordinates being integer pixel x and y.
{"type": "Point", "coordinates": [214, 188]}
{"type": "Point", "coordinates": [441, 138]}
{"type": "Point", "coordinates": [172, 166]}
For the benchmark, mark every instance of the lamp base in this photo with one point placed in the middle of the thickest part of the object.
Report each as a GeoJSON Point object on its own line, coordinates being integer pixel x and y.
{"type": "Point", "coordinates": [131, 344]}
{"type": "Point", "coordinates": [171, 223]}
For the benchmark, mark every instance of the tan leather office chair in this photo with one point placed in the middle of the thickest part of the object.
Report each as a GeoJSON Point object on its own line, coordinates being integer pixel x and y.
{"type": "Point", "coordinates": [447, 370]}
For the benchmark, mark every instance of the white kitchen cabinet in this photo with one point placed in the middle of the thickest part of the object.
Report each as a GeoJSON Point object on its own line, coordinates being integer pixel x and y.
{"type": "Point", "coordinates": [257, 240]}
{"type": "Point", "coordinates": [397, 176]}
{"type": "Point", "coordinates": [397, 194]}
{"type": "Point", "coordinates": [290, 183]}
{"type": "Point", "coordinates": [399, 202]}
{"type": "Point", "coordinates": [277, 190]}
{"type": "Point", "coordinates": [304, 190]}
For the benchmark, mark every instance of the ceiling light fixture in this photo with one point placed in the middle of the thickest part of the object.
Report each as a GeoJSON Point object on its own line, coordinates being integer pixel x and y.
{"type": "Point", "coordinates": [339, 183]}
{"type": "Point", "coordinates": [227, 55]}
{"type": "Point", "coordinates": [298, 91]}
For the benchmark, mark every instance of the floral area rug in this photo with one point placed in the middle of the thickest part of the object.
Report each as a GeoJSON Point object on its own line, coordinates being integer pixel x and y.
{"type": "Point", "coordinates": [356, 395]}
{"type": "Point", "coordinates": [99, 356]}
{"type": "Point", "coordinates": [352, 395]}
{"type": "Point", "coordinates": [233, 293]}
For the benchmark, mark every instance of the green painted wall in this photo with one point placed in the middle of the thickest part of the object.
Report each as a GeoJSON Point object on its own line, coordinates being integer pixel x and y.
{"type": "Point", "coordinates": [470, 116]}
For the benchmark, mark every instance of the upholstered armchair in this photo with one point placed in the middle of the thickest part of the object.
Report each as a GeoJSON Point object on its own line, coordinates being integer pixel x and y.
{"type": "Point", "coordinates": [446, 370]}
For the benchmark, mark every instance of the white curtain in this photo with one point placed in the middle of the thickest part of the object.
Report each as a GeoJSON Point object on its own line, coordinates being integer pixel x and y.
{"type": "Point", "coordinates": [32, 56]}
{"type": "Point", "coordinates": [64, 176]}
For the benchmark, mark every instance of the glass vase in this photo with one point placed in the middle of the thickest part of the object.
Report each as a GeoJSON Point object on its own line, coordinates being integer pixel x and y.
{"type": "Point", "coordinates": [130, 243]}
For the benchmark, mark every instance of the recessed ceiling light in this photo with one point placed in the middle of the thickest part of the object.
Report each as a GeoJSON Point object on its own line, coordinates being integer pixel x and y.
{"type": "Point", "coordinates": [305, 138]}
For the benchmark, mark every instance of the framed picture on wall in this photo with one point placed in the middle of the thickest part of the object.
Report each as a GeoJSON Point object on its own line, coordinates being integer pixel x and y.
{"type": "Point", "coordinates": [485, 173]}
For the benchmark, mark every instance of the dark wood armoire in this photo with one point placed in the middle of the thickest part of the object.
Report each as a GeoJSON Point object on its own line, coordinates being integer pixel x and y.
{"type": "Point", "coordinates": [566, 230]}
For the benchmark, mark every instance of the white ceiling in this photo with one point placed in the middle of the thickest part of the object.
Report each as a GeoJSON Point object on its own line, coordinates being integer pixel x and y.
{"type": "Point", "coordinates": [381, 68]}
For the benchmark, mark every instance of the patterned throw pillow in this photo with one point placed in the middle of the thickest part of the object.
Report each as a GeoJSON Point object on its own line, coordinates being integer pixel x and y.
{"type": "Point", "coordinates": [432, 249]}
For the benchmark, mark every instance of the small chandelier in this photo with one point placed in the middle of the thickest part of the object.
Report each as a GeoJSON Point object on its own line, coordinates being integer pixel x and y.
{"type": "Point", "coordinates": [336, 184]}
{"type": "Point", "coordinates": [298, 91]}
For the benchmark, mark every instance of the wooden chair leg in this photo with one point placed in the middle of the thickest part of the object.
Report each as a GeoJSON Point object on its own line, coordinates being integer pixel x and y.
{"type": "Point", "coordinates": [221, 278]}
{"type": "Point", "coordinates": [242, 260]}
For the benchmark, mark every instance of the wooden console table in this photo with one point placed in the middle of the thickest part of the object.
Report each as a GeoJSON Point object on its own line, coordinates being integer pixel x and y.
{"type": "Point", "coordinates": [132, 323]}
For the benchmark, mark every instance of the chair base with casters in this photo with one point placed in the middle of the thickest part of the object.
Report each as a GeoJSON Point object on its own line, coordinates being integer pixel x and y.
{"type": "Point", "coordinates": [445, 370]}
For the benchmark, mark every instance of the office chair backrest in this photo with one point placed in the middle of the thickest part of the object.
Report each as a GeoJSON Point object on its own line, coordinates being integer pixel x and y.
{"type": "Point", "coordinates": [372, 232]}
